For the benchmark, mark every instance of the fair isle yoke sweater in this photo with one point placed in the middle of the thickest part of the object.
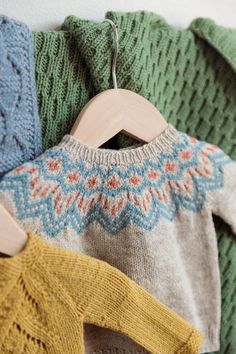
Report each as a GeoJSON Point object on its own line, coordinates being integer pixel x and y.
{"type": "Point", "coordinates": [146, 210]}
{"type": "Point", "coordinates": [188, 74]}
{"type": "Point", "coordinates": [47, 293]}
{"type": "Point", "coordinates": [20, 130]}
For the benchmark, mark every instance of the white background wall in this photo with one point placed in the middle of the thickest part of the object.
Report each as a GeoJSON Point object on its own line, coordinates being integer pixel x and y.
{"type": "Point", "coordinates": [49, 14]}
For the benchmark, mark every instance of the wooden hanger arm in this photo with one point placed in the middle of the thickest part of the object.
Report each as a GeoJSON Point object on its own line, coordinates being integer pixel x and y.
{"type": "Point", "coordinates": [101, 126]}
{"type": "Point", "coordinates": [118, 110]}
{"type": "Point", "coordinates": [12, 237]}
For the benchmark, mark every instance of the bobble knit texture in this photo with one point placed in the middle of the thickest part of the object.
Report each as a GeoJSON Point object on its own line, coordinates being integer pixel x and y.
{"type": "Point", "coordinates": [20, 132]}
{"type": "Point", "coordinates": [189, 75]}
{"type": "Point", "coordinates": [47, 293]}
{"type": "Point", "coordinates": [145, 210]}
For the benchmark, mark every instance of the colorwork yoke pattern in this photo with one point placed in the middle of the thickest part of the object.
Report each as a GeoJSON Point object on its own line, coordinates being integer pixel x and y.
{"type": "Point", "coordinates": [47, 293]}
{"type": "Point", "coordinates": [145, 210]}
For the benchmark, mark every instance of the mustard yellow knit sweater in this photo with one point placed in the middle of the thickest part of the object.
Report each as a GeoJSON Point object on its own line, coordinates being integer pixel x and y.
{"type": "Point", "coordinates": [48, 293]}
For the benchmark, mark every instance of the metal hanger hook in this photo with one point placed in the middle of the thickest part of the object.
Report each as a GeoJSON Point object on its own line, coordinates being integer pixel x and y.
{"type": "Point", "coordinates": [116, 42]}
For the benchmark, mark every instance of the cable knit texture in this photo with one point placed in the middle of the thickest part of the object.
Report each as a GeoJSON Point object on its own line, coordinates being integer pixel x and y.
{"type": "Point", "coordinates": [20, 132]}
{"type": "Point", "coordinates": [146, 210]}
{"type": "Point", "coordinates": [188, 74]}
{"type": "Point", "coordinates": [48, 293]}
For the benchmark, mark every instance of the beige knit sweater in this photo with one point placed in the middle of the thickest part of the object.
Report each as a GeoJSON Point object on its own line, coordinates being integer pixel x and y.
{"type": "Point", "coordinates": [147, 211]}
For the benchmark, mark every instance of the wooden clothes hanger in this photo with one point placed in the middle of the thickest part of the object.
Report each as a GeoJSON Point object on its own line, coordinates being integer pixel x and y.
{"type": "Point", "coordinates": [116, 110]}
{"type": "Point", "coordinates": [12, 237]}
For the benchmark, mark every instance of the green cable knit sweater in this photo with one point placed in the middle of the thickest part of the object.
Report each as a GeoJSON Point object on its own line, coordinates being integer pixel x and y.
{"type": "Point", "coordinates": [188, 74]}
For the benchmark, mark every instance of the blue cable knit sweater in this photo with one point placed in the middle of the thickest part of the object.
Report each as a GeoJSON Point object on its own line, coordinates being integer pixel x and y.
{"type": "Point", "coordinates": [20, 133]}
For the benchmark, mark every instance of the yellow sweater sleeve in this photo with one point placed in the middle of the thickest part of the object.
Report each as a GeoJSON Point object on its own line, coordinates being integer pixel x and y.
{"type": "Point", "coordinates": [110, 299]}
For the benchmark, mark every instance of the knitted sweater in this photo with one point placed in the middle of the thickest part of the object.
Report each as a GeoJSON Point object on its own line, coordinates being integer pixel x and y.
{"type": "Point", "coordinates": [145, 210]}
{"type": "Point", "coordinates": [47, 293]}
{"type": "Point", "coordinates": [188, 74]}
{"type": "Point", "coordinates": [20, 132]}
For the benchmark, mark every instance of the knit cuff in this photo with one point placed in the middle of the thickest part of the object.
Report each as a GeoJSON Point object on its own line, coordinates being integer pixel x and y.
{"type": "Point", "coordinates": [157, 328]}
{"type": "Point", "coordinates": [193, 345]}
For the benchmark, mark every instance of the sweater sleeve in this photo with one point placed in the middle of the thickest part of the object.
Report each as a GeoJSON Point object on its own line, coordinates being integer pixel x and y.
{"type": "Point", "coordinates": [223, 200]}
{"type": "Point", "coordinates": [111, 300]}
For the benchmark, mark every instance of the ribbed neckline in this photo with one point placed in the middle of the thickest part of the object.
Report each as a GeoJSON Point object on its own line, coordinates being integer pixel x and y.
{"type": "Point", "coordinates": [11, 267]}
{"type": "Point", "coordinates": [152, 150]}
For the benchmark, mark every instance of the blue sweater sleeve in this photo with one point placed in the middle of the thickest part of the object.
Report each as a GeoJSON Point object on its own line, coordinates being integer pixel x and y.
{"type": "Point", "coordinates": [20, 131]}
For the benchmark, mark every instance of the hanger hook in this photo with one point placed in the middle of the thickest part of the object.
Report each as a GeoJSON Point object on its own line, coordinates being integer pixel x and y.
{"type": "Point", "coordinates": [116, 40]}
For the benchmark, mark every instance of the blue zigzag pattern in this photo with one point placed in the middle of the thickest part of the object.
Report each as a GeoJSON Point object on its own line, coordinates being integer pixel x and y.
{"type": "Point", "coordinates": [103, 198]}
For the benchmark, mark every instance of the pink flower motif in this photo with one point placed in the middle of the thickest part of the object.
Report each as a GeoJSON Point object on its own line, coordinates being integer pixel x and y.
{"type": "Point", "coordinates": [170, 167]}
{"type": "Point", "coordinates": [73, 177]}
{"type": "Point", "coordinates": [186, 155]}
{"type": "Point", "coordinates": [92, 182]}
{"type": "Point", "coordinates": [153, 174]}
{"type": "Point", "coordinates": [53, 165]}
{"type": "Point", "coordinates": [134, 180]}
{"type": "Point", "coordinates": [113, 183]}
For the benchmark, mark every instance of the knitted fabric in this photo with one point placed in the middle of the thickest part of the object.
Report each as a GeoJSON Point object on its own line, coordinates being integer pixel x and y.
{"type": "Point", "coordinates": [20, 132]}
{"type": "Point", "coordinates": [47, 293]}
{"type": "Point", "coordinates": [188, 74]}
{"type": "Point", "coordinates": [145, 210]}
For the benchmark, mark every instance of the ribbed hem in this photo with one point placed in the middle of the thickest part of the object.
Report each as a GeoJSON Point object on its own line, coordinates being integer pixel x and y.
{"type": "Point", "coordinates": [162, 143]}
{"type": "Point", "coordinates": [211, 340]}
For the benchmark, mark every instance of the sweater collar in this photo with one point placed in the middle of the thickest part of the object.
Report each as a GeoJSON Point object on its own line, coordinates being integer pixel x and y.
{"type": "Point", "coordinates": [151, 150]}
